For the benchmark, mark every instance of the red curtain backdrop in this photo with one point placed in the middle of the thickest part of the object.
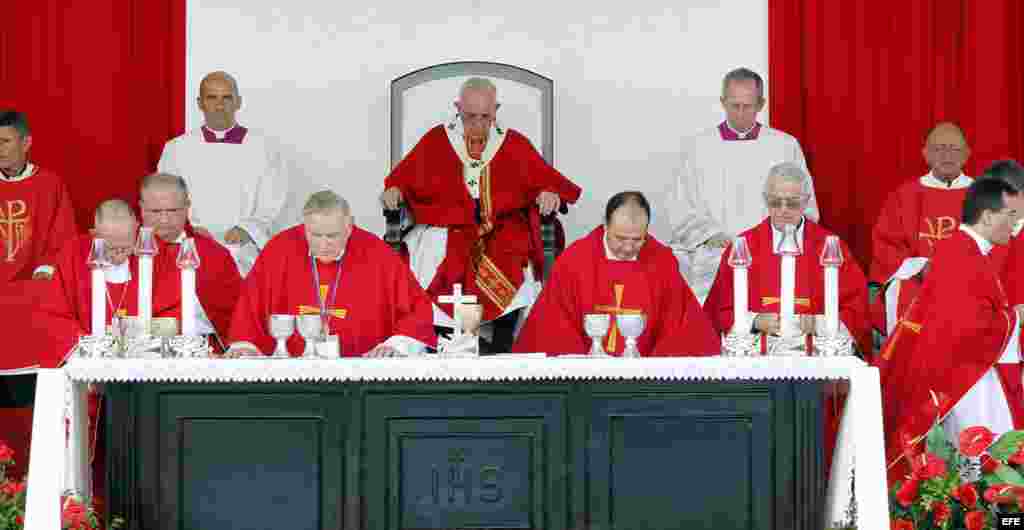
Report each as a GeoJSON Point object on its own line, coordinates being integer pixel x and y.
{"type": "Point", "coordinates": [103, 84]}
{"type": "Point", "coordinates": [860, 83]}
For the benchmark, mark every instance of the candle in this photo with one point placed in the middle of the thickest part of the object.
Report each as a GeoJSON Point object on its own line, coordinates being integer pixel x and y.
{"type": "Point", "coordinates": [145, 291]}
{"type": "Point", "coordinates": [740, 260]}
{"type": "Point", "coordinates": [831, 259]}
{"type": "Point", "coordinates": [145, 249]}
{"type": "Point", "coordinates": [787, 319]}
{"type": "Point", "coordinates": [831, 300]}
{"type": "Point", "coordinates": [188, 302]}
{"type": "Point", "coordinates": [96, 261]}
{"type": "Point", "coordinates": [188, 262]}
{"type": "Point", "coordinates": [99, 303]}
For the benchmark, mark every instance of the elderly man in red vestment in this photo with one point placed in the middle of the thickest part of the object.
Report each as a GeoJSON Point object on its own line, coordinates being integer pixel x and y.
{"type": "Point", "coordinates": [327, 266]}
{"type": "Point", "coordinates": [954, 356]}
{"type": "Point", "coordinates": [785, 194]}
{"type": "Point", "coordinates": [165, 203]}
{"type": "Point", "coordinates": [472, 186]}
{"type": "Point", "coordinates": [619, 269]}
{"type": "Point", "coordinates": [919, 214]}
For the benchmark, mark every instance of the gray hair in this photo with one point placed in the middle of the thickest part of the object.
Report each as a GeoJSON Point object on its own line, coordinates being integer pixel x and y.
{"type": "Point", "coordinates": [478, 83]}
{"type": "Point", "coordinates": [326, 202]}
{"type": "Point", "coordinates": [114, 211]}
{"type": "Point", "coordinates": [740, 75]}
{"type": "Point", "coordinates": [164, 180]}
{"type": "Point", "coordinates": [788, 172]}
{"type": "Point", "coordinates": [220, 75]}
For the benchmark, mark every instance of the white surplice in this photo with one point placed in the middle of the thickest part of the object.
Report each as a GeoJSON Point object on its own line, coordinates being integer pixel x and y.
{"type": "Point", "coordinates": [231, 185]}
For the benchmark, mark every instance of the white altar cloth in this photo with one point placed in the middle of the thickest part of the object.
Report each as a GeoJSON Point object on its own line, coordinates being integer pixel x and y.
{"type": "Point", "coordinates": [860, 437]}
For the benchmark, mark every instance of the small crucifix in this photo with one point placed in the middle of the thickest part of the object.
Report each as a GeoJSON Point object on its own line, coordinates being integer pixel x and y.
{"type": "Point", "coordinates": [456, 299]}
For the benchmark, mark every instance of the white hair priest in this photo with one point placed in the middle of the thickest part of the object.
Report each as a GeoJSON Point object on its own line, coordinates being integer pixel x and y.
{"type": "Point", "coordinates": [362, 291]}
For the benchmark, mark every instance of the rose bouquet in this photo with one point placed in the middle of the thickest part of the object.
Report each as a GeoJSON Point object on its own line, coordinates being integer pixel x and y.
{"type": "Point", "coordinates": [959, 487]}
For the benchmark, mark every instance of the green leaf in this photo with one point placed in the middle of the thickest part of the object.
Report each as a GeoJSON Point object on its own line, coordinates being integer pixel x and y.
{"type": "Point", "coordinates": [938, 445]}
{"type": "Point", "coordinates": [1008, 475]}
{"type": "Point", "coordinates": [1006, 445]}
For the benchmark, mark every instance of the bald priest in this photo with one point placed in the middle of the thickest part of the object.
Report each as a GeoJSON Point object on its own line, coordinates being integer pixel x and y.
{"type": "Point", "coordinates": [619, 269]}
{"type": "Point", "coordinates": [328, 266]}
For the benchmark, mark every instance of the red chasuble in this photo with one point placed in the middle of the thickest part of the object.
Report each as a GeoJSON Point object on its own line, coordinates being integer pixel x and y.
{"type": "Point", "coordinates": [914, 218]}
{"type": "Point", "coordinates": [376, 294]}
{"type": "Point", "coordinates": [36, 219]}
{"type": "Point", "coordinates": [764, 278]}
{"type": "Point", "coordinates": [953, 333]}
{"type": "Point", "coordinates": [67, 308]}
{"type": "Point", "coordinates": [487, 258]}
{"type": "Point", "coordinates": [585, 281]}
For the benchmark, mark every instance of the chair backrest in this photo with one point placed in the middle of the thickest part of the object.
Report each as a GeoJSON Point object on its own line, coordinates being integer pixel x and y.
{"type": "Point", "coordinates": [424, 98]}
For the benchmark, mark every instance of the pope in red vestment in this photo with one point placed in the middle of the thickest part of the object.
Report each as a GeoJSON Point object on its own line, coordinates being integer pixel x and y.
{"type": "Point", "coordinates": [618, 270]}
{"type": "Point", "coordinates": [476, 186]}
{"type": "Point", "coordinates": [919, 214]}
{"type": "Point", "coordinates": [370, 298]}
{"type": "Point", "coordinates": [956, 334]}
{"type": "Point", "coordinates": [809, 289]}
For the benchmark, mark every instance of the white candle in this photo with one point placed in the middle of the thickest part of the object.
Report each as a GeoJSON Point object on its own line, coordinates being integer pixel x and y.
{"type": "Point", "coordinates": [787, 319]}
{"type": "Point", "coordinates": [832, 300]}
{"type": "Point", "coordinates": [146, 291]}
{"type": "Point", "coordinates": [99, 303]}
{"type": "Point", "coordinates": [740, 304]}
{"type": "Point", "coordinates": [188, 302]}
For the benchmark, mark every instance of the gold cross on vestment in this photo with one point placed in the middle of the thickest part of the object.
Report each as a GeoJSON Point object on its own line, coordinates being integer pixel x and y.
{"type": "Point", "coordinates": [14, 221]}
{"type": "Point", "coordinates": [338, 313]}
{"type": "Point", "coordinates": [940, 229]}
{"type": "Point", "coordinates": [617, 309]}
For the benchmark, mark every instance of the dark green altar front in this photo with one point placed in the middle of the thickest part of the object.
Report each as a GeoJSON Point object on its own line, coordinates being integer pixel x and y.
{"type": "Point", "coordinates": [546, 456]}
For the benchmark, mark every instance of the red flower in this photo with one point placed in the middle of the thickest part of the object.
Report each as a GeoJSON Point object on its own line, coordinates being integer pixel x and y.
{"type": "Point", "coordinates": [967, 495]}
{"type": "Point", "coordinates": [941, 512]}
{"type": "Point", "coordinates": [1017, 458]}
{"type": "Point", "coordinates": [74, 515]}
{"type": "Point", "coordinates": [907, 492]}
{"type": "Point", "coordinates": [1001, 494]}
{"type": "Point", "coordinates": [974, 520]}
{"type": "Point", "coordinates": [988, 464]}
{"type": "Point", "coordinates": [974, 440]}
{"type": "Point", "coordinates": [6, 453]}
{"type": "Point", "coordinates": [928, 466]}
{"type": "Point", "coordinates": [901, 524]}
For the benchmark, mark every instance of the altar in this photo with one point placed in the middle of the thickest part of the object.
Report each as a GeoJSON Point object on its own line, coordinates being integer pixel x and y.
{"type": "Point", "coordinates": [503, 442]}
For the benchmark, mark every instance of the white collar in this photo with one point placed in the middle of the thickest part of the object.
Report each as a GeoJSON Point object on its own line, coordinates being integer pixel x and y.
{"type": "Point", "coordinates": [608, 252]}
{"type": "Point", "coordinates": [26, 172]}
{"type": "Point", "coordinates": [931, 181]}
{"type": "Point", "coordinates": [337, 259]}
{"type": "Point", "coordinates": [983, 244]}
{"type": "Point", "coordinates": [777, 234]}
{"type": "Point", "coordinates": [220, 134]}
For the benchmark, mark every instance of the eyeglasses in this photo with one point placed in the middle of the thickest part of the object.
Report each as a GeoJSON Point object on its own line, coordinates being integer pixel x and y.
{"type": "Point", "coordinates": [945, 148]}
{"type": "Point", "coordinates": [792, 203]}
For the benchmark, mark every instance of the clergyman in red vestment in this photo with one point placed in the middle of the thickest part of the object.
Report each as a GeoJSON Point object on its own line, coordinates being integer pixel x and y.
{"type": "Point", "coordinates": [954, 355]}
{"type": "Point", "coordinates": [619, 269]}
{"type": "Point", "coordinates": [918, 215]}
{"type": "Point", "coordinates": [359, 286]}
{"type": "Point", "coordinates": [477, 191]}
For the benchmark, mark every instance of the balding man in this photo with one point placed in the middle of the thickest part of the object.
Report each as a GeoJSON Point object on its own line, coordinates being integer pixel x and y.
{"type": "Point", "coordinates": [234, 173]}
{"type": "Point", "coordinates": [475, 190]}
{"type": "Point", "coordinates": [362, 290]}
{"type": "Point", "coordinates": [164, 205]}
{"type": "Point", "coordinates": [786, 193]}
{"type": "Point", "coordinates": [68, 308]}
{"type": "Point", "coordinates": [619, 269]}
{"type": "Point", "coordinates": [919, 214]}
